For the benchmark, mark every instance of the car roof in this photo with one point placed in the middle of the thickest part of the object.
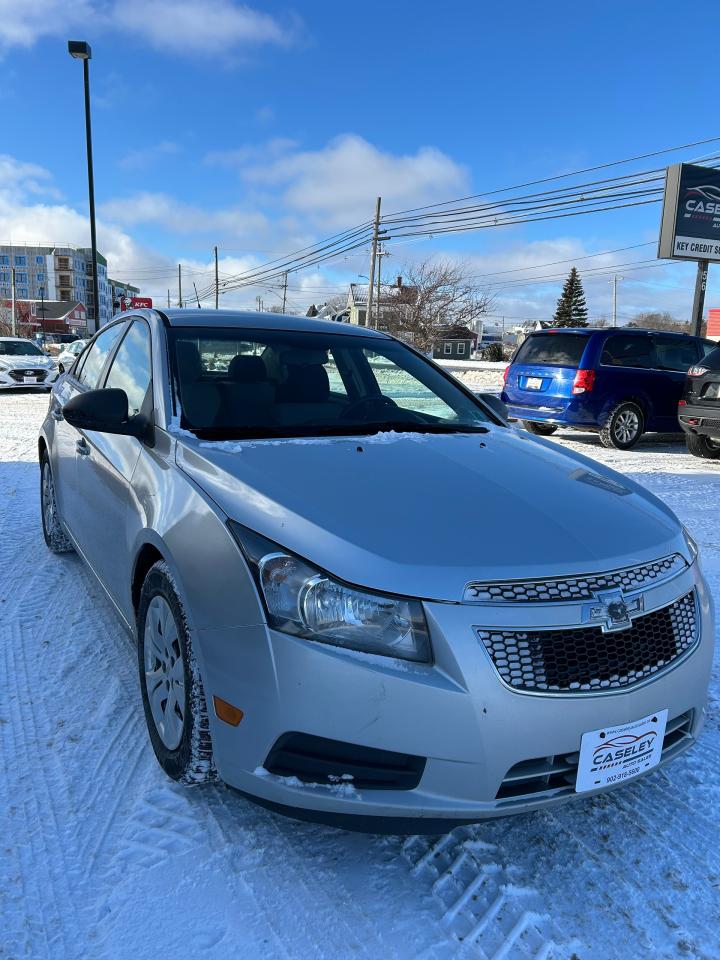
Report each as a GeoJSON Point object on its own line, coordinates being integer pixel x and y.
{"type": "Point", "coordinates": [253, 320]}
{"type": "Point", "coordinates": [610, 330]}
{"type": "Point", "coordinates": [13, 339]}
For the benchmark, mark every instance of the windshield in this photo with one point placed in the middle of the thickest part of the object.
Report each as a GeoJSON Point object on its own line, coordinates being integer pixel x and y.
{"type": "Point", "coordinates": [19, 348]}
{"type": "Point", "coordinates": [261, 383]}
{"type": "Point", "coordinates": [552, 349]}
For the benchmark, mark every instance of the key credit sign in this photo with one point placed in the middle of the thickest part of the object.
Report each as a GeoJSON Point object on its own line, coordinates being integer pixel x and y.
{"type": "Point", "coordinates": [690, 227]}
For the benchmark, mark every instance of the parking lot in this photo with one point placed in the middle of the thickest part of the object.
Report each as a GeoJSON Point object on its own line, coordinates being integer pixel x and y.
{"type": "Point", "coordinates": [105, 857]}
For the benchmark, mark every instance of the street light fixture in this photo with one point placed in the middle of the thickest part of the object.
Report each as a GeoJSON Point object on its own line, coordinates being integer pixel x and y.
{"type": "Point", "coordinates": [80, 50]}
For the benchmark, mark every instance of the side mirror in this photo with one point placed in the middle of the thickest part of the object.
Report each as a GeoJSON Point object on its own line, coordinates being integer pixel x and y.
{"type": "Point", "coordinates": [496, 404]}
{"type": "Point", "coordinates": [107, 412]}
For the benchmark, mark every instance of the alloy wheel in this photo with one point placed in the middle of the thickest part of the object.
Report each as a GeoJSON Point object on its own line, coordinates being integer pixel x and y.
{"type": "Point", "coordinates": [164, 672]}
{"type": "Point", "coordinates": [627, 426]}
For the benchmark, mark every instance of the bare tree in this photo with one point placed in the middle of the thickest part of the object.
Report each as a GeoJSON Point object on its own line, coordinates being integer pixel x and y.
{"type": "Point", "coordinates": [660, 320]}
{"type": "Point", "coordinates": [435, 295]}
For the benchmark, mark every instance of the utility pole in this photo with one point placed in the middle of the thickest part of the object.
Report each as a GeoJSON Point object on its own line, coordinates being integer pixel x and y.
{"type": "Point", "coordinates": [168, 299]}
{"type": "Point", "coordinates": [285, 291]}
{"type": "Point", "coordinates": [373, 255]}
{"type": "Point", "coordinates": [699, 299]}
{"type": "Point", "coordinates": [180, 286]}
{"type": "Point", "coordinates": [196, 295]}
{"type": "Point", "coordinates": [217, 285]}
{"type": "Point", "coordinates": [12, 303]}
{"type": "Point", "coordinates": [614, 282]}
{"type": "Point", "coordinates": [380, 254]}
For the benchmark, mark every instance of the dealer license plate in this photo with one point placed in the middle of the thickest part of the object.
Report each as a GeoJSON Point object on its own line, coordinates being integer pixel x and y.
{"type": "Point", "coordinates": [615, 754]}
{"type": "Point", "coordinates": [29, 379]}
{"type": "Point", "coordinates": [533, 383]}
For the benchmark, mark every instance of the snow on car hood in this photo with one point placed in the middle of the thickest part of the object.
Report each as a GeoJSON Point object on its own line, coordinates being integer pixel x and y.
{"type": "Point", "coordinates": [422, 515]}
{"type": "Point", "coordinates": [25, 361]}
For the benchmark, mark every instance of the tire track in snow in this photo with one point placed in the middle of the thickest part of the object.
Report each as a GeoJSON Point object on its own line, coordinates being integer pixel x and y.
{"type": "Point", "coordinates": [45, 828]}
{"type": "Point", "coordinates": [485, 906]}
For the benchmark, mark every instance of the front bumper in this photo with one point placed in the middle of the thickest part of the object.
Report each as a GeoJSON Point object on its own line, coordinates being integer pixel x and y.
{"type": "Point", "coordinates": [458, 714]}
{"type": "Point", "coordinates": [22, 378]}
{"type": "Point", "coordinates": [701, 420]}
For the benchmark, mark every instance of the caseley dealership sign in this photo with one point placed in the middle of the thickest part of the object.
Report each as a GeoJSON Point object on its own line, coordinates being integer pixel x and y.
{"type": "Point", "coordinates": [690, 228]}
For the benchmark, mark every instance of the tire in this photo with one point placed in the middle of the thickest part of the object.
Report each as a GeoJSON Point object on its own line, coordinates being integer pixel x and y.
{"type": "Point", "coordinates": [539, 429]}
{"type": "Point", "coordinates": [624, 427]}
{"type": "Point", "coordinates": [55, 537]}
{"type": "Point", "coordinates": [177, 724]}
{"type": "Point", "coordinates": [703, 447]}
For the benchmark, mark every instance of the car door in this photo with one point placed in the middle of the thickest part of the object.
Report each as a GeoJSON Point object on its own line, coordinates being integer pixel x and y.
{"type": "Point", "coordinates": [83, 376]}
{"type": "Point", "coordinates": [625, 372]}
{"type": "Point", "coordinates": [674, 355]}
{"type": "Point", "coordinates": [105, 466]}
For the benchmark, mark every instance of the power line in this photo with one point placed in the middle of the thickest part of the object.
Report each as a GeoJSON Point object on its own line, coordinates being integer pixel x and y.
{"type": "Point", "coordinates": [563, 176]}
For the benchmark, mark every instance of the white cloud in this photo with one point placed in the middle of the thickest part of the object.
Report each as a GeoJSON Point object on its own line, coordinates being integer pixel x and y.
{"type": "Point", "coordinates": [337, 185]}
{"type": "Point", "coordinates": [20, 179]}
{"type": "Point", "coordinates": [23, 23]}
{"type": "Point", "coordinates": [198, 26]}
{"type": "Point", "coordinates": [192, 27]}
{"type": "Point", "coordinates": [165, 211]}
{"type": "Point", "coordinates": [146, 156]}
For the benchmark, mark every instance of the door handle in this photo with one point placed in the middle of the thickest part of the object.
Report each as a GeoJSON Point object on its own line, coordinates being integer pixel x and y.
{"type": "Point", "coordinates": [82, 447]}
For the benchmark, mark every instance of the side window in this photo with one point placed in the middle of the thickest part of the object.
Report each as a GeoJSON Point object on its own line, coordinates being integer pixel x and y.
{"type": "Point", "coordinates": [96, 356]}
{"type": "Point", "coordinates": [626, 350]}
{"type": "Point", "coordinates": [675, 353]}
{"type": "Point", "coordinates": [131, 369]}
{"type": "Point", "coordinates": [706, 347]}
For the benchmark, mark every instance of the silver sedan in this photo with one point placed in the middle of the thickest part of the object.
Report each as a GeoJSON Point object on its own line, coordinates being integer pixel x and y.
{"type": "Point", "coordinates": [357, 594]}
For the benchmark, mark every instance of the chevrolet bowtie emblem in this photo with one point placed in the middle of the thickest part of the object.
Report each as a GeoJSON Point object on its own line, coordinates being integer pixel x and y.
{"type": "Point", "coordinates": [611, 610]}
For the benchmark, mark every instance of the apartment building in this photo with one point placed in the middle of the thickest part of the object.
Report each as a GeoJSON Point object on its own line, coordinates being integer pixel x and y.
{"type": "Point", "coordinates": [56, 273]}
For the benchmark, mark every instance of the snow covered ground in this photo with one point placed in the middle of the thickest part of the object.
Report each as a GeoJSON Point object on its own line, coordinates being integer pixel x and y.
{"type": "Point", "coordinates": [103, 857]}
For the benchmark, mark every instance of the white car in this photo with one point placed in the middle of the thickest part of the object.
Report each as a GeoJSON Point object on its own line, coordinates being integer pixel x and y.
{"type": "Point", "coordinates": [69, 354]}
{"type": "Point", "coordinates": [23, 364]}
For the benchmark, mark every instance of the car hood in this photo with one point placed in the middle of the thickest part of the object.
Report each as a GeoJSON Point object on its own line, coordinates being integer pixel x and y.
{"type": "Point", "coordinates": [23, 361]}
{"type": "Point", "coordinates": [422, 515]}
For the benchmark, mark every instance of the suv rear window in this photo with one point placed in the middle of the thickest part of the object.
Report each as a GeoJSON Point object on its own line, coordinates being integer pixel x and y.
{"type": "Point", "coordinates": [553, 349]}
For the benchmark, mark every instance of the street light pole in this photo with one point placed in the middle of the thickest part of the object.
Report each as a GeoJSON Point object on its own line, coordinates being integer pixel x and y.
{"type": "Point", "coordinates": [80, 50]}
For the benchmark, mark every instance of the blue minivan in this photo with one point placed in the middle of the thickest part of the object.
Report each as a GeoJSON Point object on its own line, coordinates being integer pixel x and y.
{"type": "Point", "coordinates": [618, 382]}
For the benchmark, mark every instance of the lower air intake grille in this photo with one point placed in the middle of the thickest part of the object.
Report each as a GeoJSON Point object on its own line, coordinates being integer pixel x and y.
{"type": "Point", "coordinates": [319, 760]}
{"type": "Point", "coordinates": [586, 659]}
{"type": "Point", "coordinates": [556, 775]}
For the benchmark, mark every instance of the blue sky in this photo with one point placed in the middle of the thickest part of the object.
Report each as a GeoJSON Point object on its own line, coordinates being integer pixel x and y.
{"type": "Point", "coordinates": [265, 127]}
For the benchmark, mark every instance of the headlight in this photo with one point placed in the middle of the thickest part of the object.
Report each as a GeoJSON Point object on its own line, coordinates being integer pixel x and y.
{"type": "Point", "coordinates": [691, 544]}
{"type": "Point", "coordinates": [306, 602]}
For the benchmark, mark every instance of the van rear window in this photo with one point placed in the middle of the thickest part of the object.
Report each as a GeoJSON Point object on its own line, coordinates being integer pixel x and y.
{"type": "Point", "coordinates": [552, 349]}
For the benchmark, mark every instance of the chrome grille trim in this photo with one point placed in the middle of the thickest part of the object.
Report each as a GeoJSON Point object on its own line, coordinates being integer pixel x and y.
{"type": "Point", "coordinates": [561, 589]}
{"type": "Point", "coordinates": [579, 660]}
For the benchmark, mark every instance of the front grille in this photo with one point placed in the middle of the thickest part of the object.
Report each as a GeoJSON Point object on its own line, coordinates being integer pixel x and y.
{"type": "Point", "coordinates": [709, 422]}
{"type": "Point", "coordinates": [556, 775]}
{"type": "Point", "coordinates": [585, 659]}
{"type": "Point", "coordinates": [19, 375]}
{"type": "Point", "coordinates": [574, 588]}
{"type": "Point", "coordinates": [319, 760]}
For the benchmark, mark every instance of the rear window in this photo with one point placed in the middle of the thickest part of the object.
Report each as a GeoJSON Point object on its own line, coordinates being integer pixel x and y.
{"type": "Point", "coordinates": [711, 360]}
{"type": "Point", "coordinates": [553, 349]}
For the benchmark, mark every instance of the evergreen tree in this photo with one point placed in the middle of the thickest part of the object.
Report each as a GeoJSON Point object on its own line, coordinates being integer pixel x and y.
{"type": "Point", "coordinates": [571, 310]}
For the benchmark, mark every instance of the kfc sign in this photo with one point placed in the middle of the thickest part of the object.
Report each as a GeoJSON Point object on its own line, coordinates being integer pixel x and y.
{"type": "Point", "coordinates": [134, 303]}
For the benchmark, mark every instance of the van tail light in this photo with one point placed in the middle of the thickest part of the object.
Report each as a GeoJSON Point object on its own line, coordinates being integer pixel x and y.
{"type": "Point", "coordinates": [584, 381]}
{"type": "Point", "coordinates": [697, 371]}
{"type": "Point", "coordinates": [506, 371]}
{"type": "Point", "coordinates": [682, 403]}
